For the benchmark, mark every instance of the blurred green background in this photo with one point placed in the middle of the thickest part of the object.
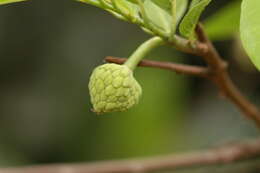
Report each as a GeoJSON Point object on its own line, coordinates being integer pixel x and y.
{"type": "Point", "coordinates": [48, 50]}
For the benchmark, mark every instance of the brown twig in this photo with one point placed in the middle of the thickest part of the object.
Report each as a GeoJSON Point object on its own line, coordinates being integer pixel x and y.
{"type": "Point", "coordinates": [220, 76]}
{"type": "Point", "coordinates": [178, 68]}
{"type": "Point", "coordinates": [222, 155]}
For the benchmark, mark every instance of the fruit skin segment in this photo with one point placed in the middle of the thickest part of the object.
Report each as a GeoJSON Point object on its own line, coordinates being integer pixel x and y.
{"type": "Point", "coordinates": [113, 88]}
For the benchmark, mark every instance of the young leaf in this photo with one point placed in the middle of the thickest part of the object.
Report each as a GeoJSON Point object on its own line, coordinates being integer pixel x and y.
{"type": "Point", "coordinates": [9, 1]}
{"type": "Point", "coordinates": [133, 1]}
{"type": "Point", "coordinates": [174, 18]}
{"type": "Point", "coordinates": [224, 23]}
{"type": "Point", "coordinates": [158, 16]}
{"type": "Point", "coordinates": [181, 8]}
{"type": "Point", "coordinates": [117, 15]}
{"type": "Point", "coordinates": [191, 19]}
{"type": "Point", "coordinates": [107, 1]}
{"type": "Point", "coordinates": [194, 2]}
{"type": "Point", "coordinates": [128, 8]}
{"type": "Point", "coordinates": [250, 29]}
{"type": "Point", "coordinates": [164, 4]}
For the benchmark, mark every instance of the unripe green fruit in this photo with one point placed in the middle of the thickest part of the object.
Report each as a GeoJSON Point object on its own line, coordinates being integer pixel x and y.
{"type": "Point", "coordinates": [113, 88]}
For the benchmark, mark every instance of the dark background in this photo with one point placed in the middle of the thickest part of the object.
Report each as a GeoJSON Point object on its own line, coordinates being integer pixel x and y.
{"type": "Point", "coordinates": [47, 52]}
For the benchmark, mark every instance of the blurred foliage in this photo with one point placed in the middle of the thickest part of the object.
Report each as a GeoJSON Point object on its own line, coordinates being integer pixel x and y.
{"type": "Point", "coordinates": [48, 50]}
{"type": "Point", "coordinates": [225, 22]}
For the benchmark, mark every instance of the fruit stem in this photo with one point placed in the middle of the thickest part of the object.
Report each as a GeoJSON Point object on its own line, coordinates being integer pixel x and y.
{"type": "Point", "coordinates": [143, 50]}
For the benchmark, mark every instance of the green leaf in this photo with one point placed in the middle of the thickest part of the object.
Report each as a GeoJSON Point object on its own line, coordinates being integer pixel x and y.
{"type": "Point", "coordinates": [224, 23]}
{"type": "Point", "coordinates": [181, 8]}
{"type": "Point", "coordinates": [9, 1]}
{"type": "Point", "coordinates": [117, 15]}
{"type": "Point", "coordinates": [164, 4]}
{"type": "Point", "coordinates": [128, 8]}
{"type": "Point", "coordinates": [174, 18]}
{"type": "Point", "coordinates": [157, 15]}
{"type": "Point", "coordinates": [194, 2]}
{"type": "Point", "coordinates": [250, 29]}
{"type": "Point", "coordinates": [107, 1]}
{"type": "Point", "coordinates": [190, 20]}
{"type": "Point", "coordinates": [92, 2]}
{"type": "Point", "coordinates": [133, 1]}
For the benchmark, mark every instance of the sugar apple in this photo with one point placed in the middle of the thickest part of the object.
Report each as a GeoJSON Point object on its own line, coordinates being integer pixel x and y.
{"type": "Point", "coordinates": [113, 88]}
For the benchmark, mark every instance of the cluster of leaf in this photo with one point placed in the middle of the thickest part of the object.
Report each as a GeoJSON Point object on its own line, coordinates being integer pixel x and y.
{"type": "Point", "coordinates": [157, 17]}
{"type": "Point", "coordinates": [166, 17]}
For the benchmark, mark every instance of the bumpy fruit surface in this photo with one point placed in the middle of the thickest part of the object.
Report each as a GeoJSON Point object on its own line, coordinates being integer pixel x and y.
{"type": "Point", "coordinates": [113, 88]}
